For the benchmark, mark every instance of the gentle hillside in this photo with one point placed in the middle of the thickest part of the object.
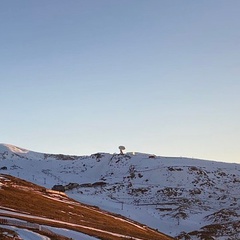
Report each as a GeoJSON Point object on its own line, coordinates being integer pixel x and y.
{"type": "Point", "coordinates": [22, 200]}
{"type": "Point", "coordinates": [188, 198]}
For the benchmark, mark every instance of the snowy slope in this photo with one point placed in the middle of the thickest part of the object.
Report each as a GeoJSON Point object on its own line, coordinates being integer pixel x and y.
{"type": "Point", "coordinates": [178, 196]}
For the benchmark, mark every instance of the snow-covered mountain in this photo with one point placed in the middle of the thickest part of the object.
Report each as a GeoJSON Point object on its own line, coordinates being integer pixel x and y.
{"type": "Point", "coordinates": [182, 197]}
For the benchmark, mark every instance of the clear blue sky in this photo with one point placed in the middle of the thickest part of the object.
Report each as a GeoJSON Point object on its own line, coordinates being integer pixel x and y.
{"type": "Point", "coordinates": [157, 76]}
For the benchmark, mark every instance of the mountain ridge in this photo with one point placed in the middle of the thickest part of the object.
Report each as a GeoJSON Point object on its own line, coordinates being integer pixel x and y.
{"type": "Point", "coordinates": [182, 197]}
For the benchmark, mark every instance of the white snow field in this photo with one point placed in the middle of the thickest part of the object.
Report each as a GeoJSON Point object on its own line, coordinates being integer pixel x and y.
{"type": "Point", "coordinates": [171, 194]}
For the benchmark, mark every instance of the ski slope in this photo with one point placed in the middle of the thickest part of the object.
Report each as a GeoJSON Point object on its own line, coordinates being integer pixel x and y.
{"type": "Point", "coordinates": [173, 195]}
